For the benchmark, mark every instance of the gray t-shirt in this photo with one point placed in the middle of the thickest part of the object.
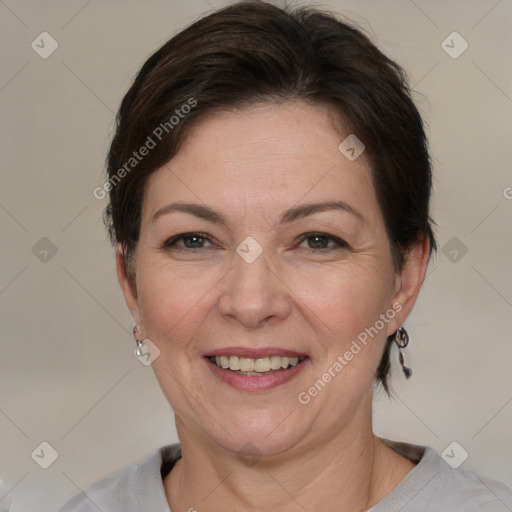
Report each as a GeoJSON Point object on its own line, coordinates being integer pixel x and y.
{"type": "Point", "coordinates": [432, 486]}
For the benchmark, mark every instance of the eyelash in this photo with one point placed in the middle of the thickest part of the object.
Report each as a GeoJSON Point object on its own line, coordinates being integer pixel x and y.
{"type": "Point", "coordinates": [171, 243]}
{"type": "Point", "coordinates": [341, 244]}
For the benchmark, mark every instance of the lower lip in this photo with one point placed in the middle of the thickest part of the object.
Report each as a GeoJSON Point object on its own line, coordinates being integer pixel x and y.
{"type": "Point", "coordinates": [254, 383]}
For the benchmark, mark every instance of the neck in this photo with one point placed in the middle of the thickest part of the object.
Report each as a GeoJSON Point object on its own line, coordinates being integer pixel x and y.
{"type": "Point", "coordinates": [349, 471]}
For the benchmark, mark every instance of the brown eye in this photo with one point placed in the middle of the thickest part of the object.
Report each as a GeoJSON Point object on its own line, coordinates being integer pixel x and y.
{"type": "Point", "coordinates": [318, 242]}
{"type": "Point", "coordinates": [189, 241]}
{"type": "Point", "coordinates": [322, 241]}
{"type": "Point", "coordinates": [193, 241]}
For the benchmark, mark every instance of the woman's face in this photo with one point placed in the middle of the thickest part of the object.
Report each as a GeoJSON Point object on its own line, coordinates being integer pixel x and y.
{"type": "Point", "coordinates": [265, 272]}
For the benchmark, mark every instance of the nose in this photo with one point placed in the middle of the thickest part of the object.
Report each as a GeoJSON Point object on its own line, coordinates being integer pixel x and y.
{"type": "Point", "coordinates": [253, 294]}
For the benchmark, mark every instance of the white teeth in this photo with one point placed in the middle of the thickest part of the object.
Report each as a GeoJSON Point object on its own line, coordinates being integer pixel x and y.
{"type": "Point", "coordinates": [234, 363]}
{"type": "Point", "coordinates": [275, 362]}
{"type": "Point", "coordinates": [262, 365]}
{"type": "Point", "coordinates": [246, 365]}
{"type": "Point", "coordinates": [251, 366]}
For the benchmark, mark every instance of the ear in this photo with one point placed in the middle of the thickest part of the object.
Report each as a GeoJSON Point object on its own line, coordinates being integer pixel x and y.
{"type": "Point", "coordinates": [128, 285]}
{"type": "Point", "coordinates": [408, 282]}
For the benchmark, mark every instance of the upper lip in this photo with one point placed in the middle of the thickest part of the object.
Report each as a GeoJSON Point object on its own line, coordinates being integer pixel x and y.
{"type": "Point", "coordinates": [253, 353]}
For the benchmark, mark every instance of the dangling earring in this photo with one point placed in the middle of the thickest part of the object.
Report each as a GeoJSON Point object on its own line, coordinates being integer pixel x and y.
{"type": "Point", "coordinates": [138, 351]}
{"type": "Point", "coordinates": [402, 340]}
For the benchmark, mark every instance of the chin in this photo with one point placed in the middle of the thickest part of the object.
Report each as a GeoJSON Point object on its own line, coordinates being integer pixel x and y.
{"type": "Point", "coordinates": [256, 436]}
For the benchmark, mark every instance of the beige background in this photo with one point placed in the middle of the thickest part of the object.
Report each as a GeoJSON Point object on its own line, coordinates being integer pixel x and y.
{"type": "Point", "coordinates": [67, 371]}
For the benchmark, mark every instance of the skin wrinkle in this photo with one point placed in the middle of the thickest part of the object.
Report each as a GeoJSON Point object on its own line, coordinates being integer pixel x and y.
{"type": "Point", "coordinates": [324, 454]}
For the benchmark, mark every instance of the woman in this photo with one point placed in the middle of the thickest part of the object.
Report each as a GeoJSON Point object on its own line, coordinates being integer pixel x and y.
{"type": "Point", "coordinates": [269, 187]}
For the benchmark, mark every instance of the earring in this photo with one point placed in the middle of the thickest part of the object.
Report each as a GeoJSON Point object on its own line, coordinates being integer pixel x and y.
{"type": "Point", "coordinates": [402, 340]}
{"type": "Point", "coordinates": [138, 351]}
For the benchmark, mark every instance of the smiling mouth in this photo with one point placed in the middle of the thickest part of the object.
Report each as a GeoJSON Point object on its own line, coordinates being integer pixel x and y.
{"type": "Point", "coordinates": [256, 367]}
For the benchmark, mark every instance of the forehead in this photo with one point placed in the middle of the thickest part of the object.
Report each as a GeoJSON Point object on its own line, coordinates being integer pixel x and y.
{"type": "Point", "coordinates": [267, 157]}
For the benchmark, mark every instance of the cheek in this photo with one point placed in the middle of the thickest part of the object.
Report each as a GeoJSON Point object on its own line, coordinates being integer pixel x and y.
{"type": "Point", "coordinates": [346, 299]}
{"type": "Point", "coordinates": [335, 303]}
{"type": "Point", "coordinates": [344, 309]}
{"type": "Point", "coordinates": [173, 302]}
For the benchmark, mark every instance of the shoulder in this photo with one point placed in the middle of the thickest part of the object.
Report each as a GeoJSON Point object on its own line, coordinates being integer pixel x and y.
{"type": "Point", "coordinates": [434, 485]}
{"type": "Point", "coordinates": [471, 492]}
{"type": "Point", "coordinates": [131, 489]}
{"type": "Point", "coordinates": [112, 491]}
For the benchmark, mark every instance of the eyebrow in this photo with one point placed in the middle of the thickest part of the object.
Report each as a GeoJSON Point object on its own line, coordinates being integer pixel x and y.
{"type": "Point", "coordinates": [293, 214]}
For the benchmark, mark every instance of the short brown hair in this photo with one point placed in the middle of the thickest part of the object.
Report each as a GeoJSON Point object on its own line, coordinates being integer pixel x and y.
{"type": "Point", "coordinates": [252, 52]}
